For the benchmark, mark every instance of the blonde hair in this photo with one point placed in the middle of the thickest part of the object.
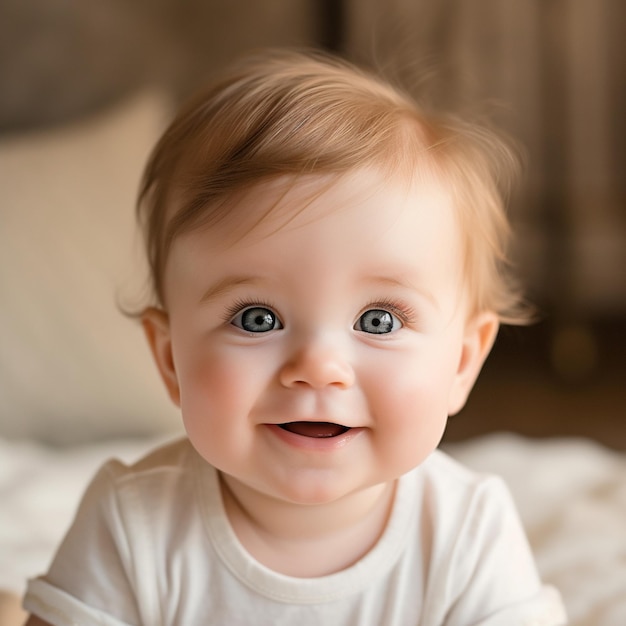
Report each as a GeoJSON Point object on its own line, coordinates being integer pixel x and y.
{"type": "Point", "coordinates": [295, 113]}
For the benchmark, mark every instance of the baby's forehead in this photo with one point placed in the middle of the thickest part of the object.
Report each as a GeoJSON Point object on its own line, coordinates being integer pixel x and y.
{"type": "Point", "coordinates": [333, 211]}
{"type": "Point", "coordinates": [290, 201]}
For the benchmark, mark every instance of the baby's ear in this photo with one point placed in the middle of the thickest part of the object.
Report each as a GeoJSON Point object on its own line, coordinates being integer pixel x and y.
{"type": "Point", "coordinates": [156, 325]}
{"type": "Point", "coordinates": [480, 333]}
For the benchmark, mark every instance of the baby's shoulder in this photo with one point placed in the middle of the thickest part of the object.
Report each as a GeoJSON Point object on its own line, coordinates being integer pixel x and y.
{"type": "Point", "coordinates": [458, 485]}
{"type": "Point", "coordinates": [167, 467]}
{"type": "Point", "coordinates": [441, 466]}
{"type": "Point", "coordinates": [174, 455]}
{"type": "Point", "coordinates": [171, 456]}
{"type": "Point", "coordinates": [167, 489]}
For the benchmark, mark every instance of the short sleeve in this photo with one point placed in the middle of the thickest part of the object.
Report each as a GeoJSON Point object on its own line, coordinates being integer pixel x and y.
{"type": "Point", "coordinates": [90, 580]}
{"type": "Point", "coordinates": [493, 562]}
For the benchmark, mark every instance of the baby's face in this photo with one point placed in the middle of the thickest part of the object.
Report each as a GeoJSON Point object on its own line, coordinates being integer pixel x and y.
{"type": "Point", "coordinates": [322, 352]}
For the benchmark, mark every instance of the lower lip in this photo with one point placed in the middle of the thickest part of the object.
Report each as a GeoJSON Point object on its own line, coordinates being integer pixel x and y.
{"type": "Point", "coordinates": [318, 444]}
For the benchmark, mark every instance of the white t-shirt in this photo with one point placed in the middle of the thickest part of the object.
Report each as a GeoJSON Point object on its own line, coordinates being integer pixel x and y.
{"type": "Point", "coordinates": [151, 545]}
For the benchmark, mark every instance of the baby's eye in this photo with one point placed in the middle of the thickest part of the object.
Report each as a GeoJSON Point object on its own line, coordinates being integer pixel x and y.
{"type": "Point", "coordinates": [377, 322]}
{"type": "Point", "coordinates": [257, 319]}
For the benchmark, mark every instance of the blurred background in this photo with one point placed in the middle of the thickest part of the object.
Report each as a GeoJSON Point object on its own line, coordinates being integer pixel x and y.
{"type": "Point", "coordinates": [86, 86]}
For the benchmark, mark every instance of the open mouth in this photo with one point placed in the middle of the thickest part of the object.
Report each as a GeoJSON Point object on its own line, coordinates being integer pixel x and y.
{"type": "Point", "coordinates": [316, 430]}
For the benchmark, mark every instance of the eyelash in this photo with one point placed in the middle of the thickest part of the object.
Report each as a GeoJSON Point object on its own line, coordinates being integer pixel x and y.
{"type": "Point", "coordinates": [402, 311]}
{"type": "Point", "coordinates": [241, 305]}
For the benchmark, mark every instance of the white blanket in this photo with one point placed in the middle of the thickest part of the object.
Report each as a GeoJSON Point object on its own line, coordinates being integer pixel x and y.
{"type": "Point", "coordinates": [571, 495]}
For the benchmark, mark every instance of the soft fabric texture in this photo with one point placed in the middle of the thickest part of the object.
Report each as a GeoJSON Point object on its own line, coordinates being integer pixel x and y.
{"type": "Point", "coordinates": [161, 551]}
{"type": "Point", "coordinates": [72, 367]}
{"type": "Point", "coordinates": [571, 493]}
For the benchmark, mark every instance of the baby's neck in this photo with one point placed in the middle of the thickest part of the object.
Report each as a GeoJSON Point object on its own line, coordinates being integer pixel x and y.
{"type": "Point", "coordinates": [307, 541]}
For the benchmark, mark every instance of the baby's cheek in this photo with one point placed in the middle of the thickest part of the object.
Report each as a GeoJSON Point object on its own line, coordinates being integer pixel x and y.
{"type": "Point", "coordinates": [411, 417]}
{"type": "Point", "coordinates": [209, 386]}
{"type": "Point", "coordinates": [208, 402]}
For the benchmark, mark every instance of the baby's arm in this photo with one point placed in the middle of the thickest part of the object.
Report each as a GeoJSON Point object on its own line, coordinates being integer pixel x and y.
{"type": "Point", "coordinates": [89, 574]}
{"type": "Point", "coordinates": [496, 568]}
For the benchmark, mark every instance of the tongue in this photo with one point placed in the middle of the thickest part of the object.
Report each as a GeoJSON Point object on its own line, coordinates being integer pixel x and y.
{"type": "Point", "coordinates": [314, 429]}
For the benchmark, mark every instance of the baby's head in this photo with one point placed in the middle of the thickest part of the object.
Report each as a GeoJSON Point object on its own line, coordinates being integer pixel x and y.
{"type": "Point", "coordinates": [285, 115]}
{"type": "Point", "coordinates": [329, 268]}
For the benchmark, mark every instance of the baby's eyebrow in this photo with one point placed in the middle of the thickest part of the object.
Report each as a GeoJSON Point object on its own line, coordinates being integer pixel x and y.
{"type": "Point", "coordinates": [401, 282]}
{"type": "Point", "coordinates": [226, 284]}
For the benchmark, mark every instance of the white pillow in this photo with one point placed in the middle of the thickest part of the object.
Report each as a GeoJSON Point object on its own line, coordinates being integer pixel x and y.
{"type": "Point", "coordinates": [72, 367]}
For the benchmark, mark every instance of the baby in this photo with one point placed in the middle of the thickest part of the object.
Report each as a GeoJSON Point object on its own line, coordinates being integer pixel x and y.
{"type": "Point", "coordinates": [329, 273]}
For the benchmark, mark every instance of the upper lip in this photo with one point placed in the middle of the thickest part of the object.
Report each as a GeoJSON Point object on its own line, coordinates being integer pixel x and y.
{"type": "Point", "coordinates": [320, 420]}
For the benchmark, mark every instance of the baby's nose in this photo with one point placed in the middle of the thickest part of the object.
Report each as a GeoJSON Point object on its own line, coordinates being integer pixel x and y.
{"type": "Point", "coordinates": [318, 364]}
